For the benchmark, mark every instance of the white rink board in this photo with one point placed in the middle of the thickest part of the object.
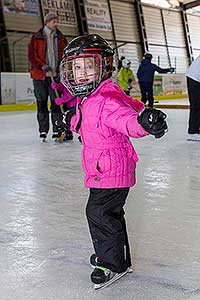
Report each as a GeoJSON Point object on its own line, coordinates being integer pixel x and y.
{"type": "Point", "coordinates": [16, 88]}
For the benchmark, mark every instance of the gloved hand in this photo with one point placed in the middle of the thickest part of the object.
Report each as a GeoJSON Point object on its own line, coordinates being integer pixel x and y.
{"type": "Point", "coordinates": [59, 101]}
{"type": "Point", "coordinates": [172, 70]}
{"type": "Point", "coordinates": [46, 68]}
{"type": "Point", "coordinates": [63, 123]}
{"type": "Point", "coordinates": [153, 121]}
{"type": "Point", "coordinates": [54, 85]}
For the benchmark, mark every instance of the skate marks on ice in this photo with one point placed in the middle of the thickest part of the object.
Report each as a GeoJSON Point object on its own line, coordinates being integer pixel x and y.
{"type": "Point", "coordinates": [166, 283]}
{"type": "Point", "coordinates": [7, 236]}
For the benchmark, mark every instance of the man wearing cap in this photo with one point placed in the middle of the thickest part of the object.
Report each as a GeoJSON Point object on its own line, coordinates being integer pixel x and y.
{"type": "Point", "coordinates": [145, 76]}
{"type": "Point", "coordinates": [126, 76]}
{"type": "Point", "coordinates": [45, 53]}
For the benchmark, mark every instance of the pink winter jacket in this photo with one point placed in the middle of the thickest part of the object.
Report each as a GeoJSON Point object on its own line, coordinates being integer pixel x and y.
{"type": "Point", "coordinates": [66, 96]}
{"type": "Point", "coordinates": [109, 118]}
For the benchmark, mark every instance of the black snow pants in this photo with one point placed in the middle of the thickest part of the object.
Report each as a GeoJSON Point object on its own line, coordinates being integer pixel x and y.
{"type": "Point", "coordinates": [146, 89]}
{"type": "Point", "coordinates": [107, 226]}
{"type": "Point", "coordinates": [194, 98]}
{"type": "Point", "coordinates": [42, 89]}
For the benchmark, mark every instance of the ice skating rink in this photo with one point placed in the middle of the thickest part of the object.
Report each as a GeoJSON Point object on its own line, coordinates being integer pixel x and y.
{"type": "Point", "coordinates": [44, 240]}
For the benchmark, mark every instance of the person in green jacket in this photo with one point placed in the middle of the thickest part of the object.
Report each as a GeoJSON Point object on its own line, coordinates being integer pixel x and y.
{"type": "Point", "coordinates": [126, 77]}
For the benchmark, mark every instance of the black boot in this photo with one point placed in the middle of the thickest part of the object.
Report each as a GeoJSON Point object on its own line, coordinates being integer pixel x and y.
{"type": "Point", "coordinates": [56, 135]}
{"type": "Point", "coordinates": [43, 136]}
{"type": "Point", "coordinates": [101, 275]}
{"type": "Point", "coordinates": [69, 136]}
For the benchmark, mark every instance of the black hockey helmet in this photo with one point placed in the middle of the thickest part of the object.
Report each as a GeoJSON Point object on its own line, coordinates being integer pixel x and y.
{"type": "Point", "coordinates": [148, 56]}
{"type": "Point", "coordinates": [90, 48]}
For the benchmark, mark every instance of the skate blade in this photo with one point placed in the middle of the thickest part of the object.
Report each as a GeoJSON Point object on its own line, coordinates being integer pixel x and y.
{"type": "Point", "coordinates": [191, 140]}
{"type": "Point", "coordinates": [44, 140]}
{"type": "Point", "coordinates": [60, 139]}
{"type": "Point", "coordinates": [112, 280]}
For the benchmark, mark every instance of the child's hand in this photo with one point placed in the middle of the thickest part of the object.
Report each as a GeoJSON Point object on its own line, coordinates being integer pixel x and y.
{"type": "Point", "coordinates": [153, 121]}
{"type": "Point", "coordinates": [54, 85]}
{"type": "Point", "coordinates": [59, 101]}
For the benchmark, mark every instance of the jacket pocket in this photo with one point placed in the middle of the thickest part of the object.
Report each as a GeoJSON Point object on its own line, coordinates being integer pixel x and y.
{"type": "Point", "coordinates": [96, 163]}
{"type": "Point", "coordinates": [103, 164]}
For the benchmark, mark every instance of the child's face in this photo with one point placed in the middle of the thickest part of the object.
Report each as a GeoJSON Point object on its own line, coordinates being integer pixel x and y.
{"type": "Point", "coordinates": [84, 70]}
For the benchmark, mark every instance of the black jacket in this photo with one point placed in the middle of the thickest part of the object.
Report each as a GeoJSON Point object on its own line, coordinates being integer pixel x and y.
{"type": "Point", "coordinates": [146, 71]}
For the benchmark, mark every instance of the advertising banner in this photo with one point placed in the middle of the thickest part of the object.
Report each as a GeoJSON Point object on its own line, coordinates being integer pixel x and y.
{"type": "Point", "coordinates": [24, 7]}
{"type": "Point", "coordinates": [97, 14]}
{"type": "Point", "coordinates": [174, 84]}
{"type": "Point", "coordinates": [64, 9]}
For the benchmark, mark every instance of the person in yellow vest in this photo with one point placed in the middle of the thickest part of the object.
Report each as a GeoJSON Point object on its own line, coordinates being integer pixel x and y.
{"type": "Point", "coordinates": [126, 77]}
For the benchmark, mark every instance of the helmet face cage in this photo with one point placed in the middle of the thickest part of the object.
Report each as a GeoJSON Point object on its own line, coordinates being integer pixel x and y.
{"type": "Point", "coordinates": [82, 73]}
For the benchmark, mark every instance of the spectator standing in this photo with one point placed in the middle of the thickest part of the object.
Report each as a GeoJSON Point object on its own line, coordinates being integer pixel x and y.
{"type": "Point", "coordinates": [45, 53]}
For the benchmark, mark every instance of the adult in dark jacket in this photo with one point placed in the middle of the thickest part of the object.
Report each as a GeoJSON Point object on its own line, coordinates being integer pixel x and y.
{"type": "Point", "coordinates": [145, 76]}
{"type": "Point", "coordinates": [45, 53]}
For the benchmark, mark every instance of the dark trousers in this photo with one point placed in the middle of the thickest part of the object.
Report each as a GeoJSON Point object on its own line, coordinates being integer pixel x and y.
{"type": "Point", "coordinates": [105, 215]}
{"type": "Point", "coordinates": [146, 89]}
{"type": "Point", "coordinates": [42, 89]}
{"type": "Point", "coordinates": [194, 99]}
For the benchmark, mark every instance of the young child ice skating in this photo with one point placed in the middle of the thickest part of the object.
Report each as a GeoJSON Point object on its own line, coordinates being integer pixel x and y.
{"type": "Point", "coordinates": [105, 117]}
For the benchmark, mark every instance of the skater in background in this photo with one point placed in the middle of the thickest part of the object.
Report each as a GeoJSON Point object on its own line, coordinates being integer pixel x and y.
{"type": "Point", "coordinates": [106, 117]}
{"type": "Point", "coordinates": [45, 53]}
{"type": "Point", "coordinates": [68, 101]}
{"type": "Point", "coordinates": [145, 75]}
{"type": "Point", "coordinates": [126, 77]}
{"type": "Point", "coordinates": [120, 62]}
{"type": "Point", "coordinates": [193, 84]}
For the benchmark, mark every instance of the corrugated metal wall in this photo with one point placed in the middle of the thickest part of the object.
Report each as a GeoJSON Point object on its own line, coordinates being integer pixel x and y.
{"type": "Point", "coordinates": [18, 47]}
{"type": "Point", "coordinates": [194, 27]}
{"type": "Point", "coordinates": [175, 40]}
{"type": "Point", "coordinates": [166, 37]}
{"type": "Point", "coordinates": [18, 42]}
{"type": "Point", "coordinates": [124, 19]}
{"type": "Point", "coordinates": [155, 35]}
{"type": "Point", "coordinates": [20, 22]}
{"type": "Point", "coordinates": [126, 31]}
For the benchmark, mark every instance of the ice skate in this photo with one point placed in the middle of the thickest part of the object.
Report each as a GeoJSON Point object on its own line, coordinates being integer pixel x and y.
{"type": "Point", "coordinates": [68, 135]}
{"type": "Point", "coordinates": [103, 277]}
{"type": "Point", "coordinates": [193, 137]}
{"type": "Point", "coordinates": [57, 137]}
{"type": "Point", "coordinates": [43, 137]}
{"type": "Point", "coordinates": [94, 263]}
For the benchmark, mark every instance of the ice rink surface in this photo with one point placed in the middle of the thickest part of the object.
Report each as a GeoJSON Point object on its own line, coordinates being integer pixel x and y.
{"type": "Point", "coordinates": [44, 240]}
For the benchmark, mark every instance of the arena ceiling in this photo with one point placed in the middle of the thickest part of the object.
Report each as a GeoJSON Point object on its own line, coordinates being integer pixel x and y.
{"type": "Point", "coordinates": [190, 3]}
